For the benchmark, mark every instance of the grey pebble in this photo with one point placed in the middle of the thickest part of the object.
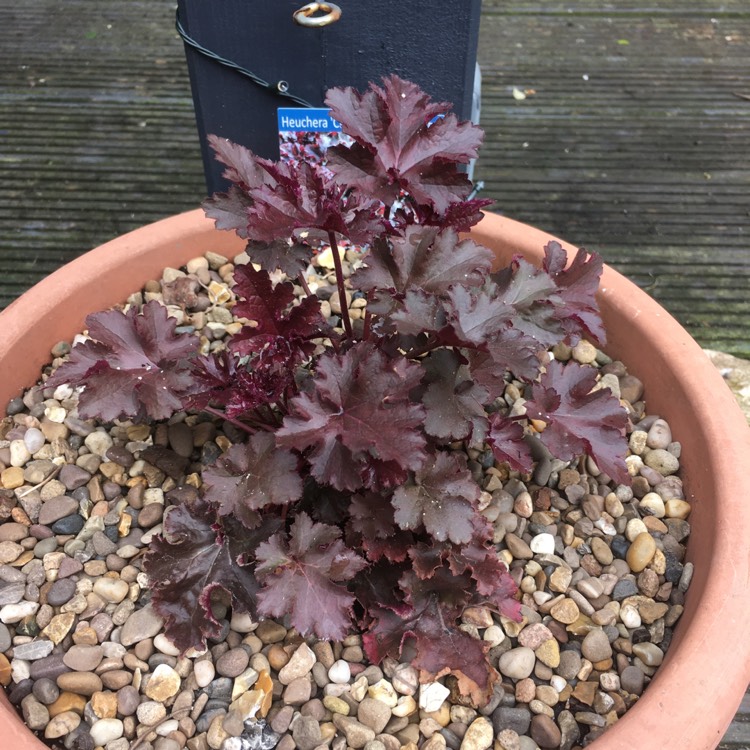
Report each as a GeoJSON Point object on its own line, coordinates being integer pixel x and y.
{"type": "Point", "coordinates": [624, 588]}
{"type": "Point", "coordinates": [232, 663]}
{"type": "Point", "coordinates": [61, 591]}
{"type": "Point", "coordinates": [71, 524]}
{"type": "Point", "coordinates": [51, 666]}
{"type": "Point", "coordinates": [517, 719]}
{"type": "Point", "coordinates": [11, 593]}
{"type": "Point", "coordinates": [46, 691]}
{"type": "Point", "coordinates": [73, 476]}
{"type": "Point", "coordinates": [5, 638]}
{"type": "Point", "coordinates": [57, 508]}
{"type": "Point", "coordinates": [33, 650]}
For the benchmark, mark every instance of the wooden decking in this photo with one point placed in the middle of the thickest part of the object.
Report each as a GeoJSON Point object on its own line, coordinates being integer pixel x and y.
{"type": "Point", "coordinates": [633, 140]}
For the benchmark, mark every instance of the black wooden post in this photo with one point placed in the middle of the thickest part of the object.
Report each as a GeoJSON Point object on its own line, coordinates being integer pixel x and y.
{"type": "Point", "coordinates": [430, 42]}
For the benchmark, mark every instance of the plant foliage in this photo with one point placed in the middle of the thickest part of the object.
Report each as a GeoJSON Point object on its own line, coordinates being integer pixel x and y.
{"type": "Point", "coordinates": [353, 502]}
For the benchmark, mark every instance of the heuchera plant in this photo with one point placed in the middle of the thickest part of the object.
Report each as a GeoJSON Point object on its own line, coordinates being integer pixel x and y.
{"type": "Point", "coordinates": [352, 504]}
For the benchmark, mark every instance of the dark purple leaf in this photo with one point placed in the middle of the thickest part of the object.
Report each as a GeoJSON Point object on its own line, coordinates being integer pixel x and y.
{"type": "Point", "coordinates": [135, 365]}
{"type": "Point", "coordinates": [250, 476]}
{"type": "Point", "coordinates": [442, 498]}
{"type": "Point", "coordinates": [304, 576]}
{"type": "Point", "coordinates": [423, 259]}
{"type": "Point", "coordinates": [400, 145]}
{"type": "Point", "coordinates": [190, 562]}
{"type": "Point", "coordinates": [288, 257]}
{"type": "Point", "coordinates": [579, 420]}
{"type": "Point", "coordinates": [453, 402]}
{"type": "Point", "coordinates": [359, 411]}
{"type": "Point", "coordinates": [506, 438]}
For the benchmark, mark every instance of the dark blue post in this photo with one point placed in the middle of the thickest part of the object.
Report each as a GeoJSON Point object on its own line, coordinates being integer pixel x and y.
{"type": "Point", "coordinates": [430, 42]}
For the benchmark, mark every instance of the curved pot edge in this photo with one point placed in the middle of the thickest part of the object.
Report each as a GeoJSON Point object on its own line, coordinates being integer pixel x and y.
{"type": "Point", "coordinates": [721, 580]}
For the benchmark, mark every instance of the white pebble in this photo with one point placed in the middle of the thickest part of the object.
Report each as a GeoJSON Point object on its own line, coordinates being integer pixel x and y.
{"type": "Point", "coordinates": [165, 729]}
{"type": "Point", "coordinates": [20, 670]}
{"type": "Point", "coordinates": [106, 730]}
{"type": "Point", "coordinates": [11, 613]}
{"type": "Point", "coordinates": [432, 695]}
{"type": "Point", "coordinates": [630, 616]}
{"type": "Point", "coordinates": [241, 622]}
{"type": "Point", "coordinates": [653, 504]}
{"type": "Point", "coordinates": [494, 635]}
{"type": "Point", "coordinates": [56, 414]}
{"type": "Point", "coordinates": [34, 439]}
{"type": "Point", "coordinates": [339, 673]}
{"type": "Point", "coordinates": [543, 544]}
{"type": "Point", "coordinates": [558, 683]}
{"type": "Point", "coordinates": [634, 528]}
{"type": "Point", "coordinates": [163, 644]}
{"type": "Point", "coordinates": [204, 672]}
{"type": "Point", "coordinates": [19, 453]}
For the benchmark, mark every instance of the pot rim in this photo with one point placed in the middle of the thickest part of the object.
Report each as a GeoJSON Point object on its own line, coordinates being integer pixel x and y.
{"type": "Point", "coordinates": [673, 711]}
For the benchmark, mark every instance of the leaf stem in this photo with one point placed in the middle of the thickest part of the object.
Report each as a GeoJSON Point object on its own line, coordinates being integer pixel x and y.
{"type": "Point", "coordinates": [340, 283]}
{"type": "Point", "coordinates": [303, 283]}
{"type": "Point", "coordinates": [239, 425]}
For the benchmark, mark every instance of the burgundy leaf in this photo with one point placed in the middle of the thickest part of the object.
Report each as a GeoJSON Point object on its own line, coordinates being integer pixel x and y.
{"type": "Point", "coordinates": [243, 166]}
{"type": "Point", "coordinates": [442, 498]}
{"type": "Point", "coordinates": [578, 309]}
{"type": "Point", "coordinates": [304, 576]}
{"type": "Point", "coordinates": [372, 515]}
{"type": "Point", "coordinates": [276, 323]}
{"type": "Point", "coordinates": [477, 316]}
{"type": "Point", "coordinates": [506, 438]}
{"type": "Point", "coordinates": [229, 210]}
{"type": "Point", "coordinates": [359, 410]}
{"type": "Point", "coordinates": [189, 562]}
{"type": "Point", "coordinates": [403, 141]}
{"type": "Point", "coordinates": [550, 303]}
{"type": "Point", "coordinates": [453, 402]}
{"type": "Point", "coordinates": [430, 631]}
{"type": "Point", "coordinates": [423, 259]}
{"type": "Point", "coordinates": [579, 420]}
{"type": "Point", "coordinates": [510, 352]}
{"type": "Point", "coordinates": [250, 476]}
{"type": "Point", "coordinates": [135, 365]}
{"type": "Point", "coordinates": [291, 258]}
{"type": "Point", "coordinates": [418, 313]}
{"type": "Point", "coordinates": [495, 586]}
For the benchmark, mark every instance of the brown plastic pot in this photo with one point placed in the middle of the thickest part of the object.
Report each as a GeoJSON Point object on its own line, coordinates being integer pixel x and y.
{"type": "Point", "coordinates": [692, 699]}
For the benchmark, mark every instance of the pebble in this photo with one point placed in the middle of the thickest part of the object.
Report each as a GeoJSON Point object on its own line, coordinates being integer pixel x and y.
{"type": "Point", "coordinates": [142, 624]}
{"type": "Point", "coordinates": [62, 724]}
{"type": "Point", "coordinates": [232, 663]}
{"type": "Point", "coordinates": [518, 663]}
{"type": "Point", "coordinates": [596, 647]}
{"type": "Point", "coordinates": [339, 673]}
{"type": "Point", "coordinates": [204, 672]}
{"type": "Point", "coordinates": [163, 683]}
{"type": "Point", "coordinates": [299, 664]}
{"type": "Point", "coordinates": [374, 714]}
{"type": "Point", "coordinates": [543, 544]}
{"type": "Point", "coordinates": [479, 735]}
{"type": "Point", "coordinates": [431, 696]}
{"type": "Point", "coordinates": [83, 658]}
{"type": "Point", "coordinates": [111, 589]}
{"type": "Point", "coordinates": [641, 552]}
{"type": "Point", "coordinates": [104, 731]}
{"type": "Point", "coordinates": [357, 734]}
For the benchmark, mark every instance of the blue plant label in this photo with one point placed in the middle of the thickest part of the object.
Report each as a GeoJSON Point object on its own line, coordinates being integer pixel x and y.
{"type": "Point", "coordinates": [296, 119]}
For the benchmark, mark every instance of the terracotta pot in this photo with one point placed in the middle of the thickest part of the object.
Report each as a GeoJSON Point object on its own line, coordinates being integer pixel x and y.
{"type": "Point", "coordinates": [693, 697]}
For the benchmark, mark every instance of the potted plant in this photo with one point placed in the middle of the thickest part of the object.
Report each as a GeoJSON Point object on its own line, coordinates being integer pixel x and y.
{"type": "Point", "coordinates": [430, 357]}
